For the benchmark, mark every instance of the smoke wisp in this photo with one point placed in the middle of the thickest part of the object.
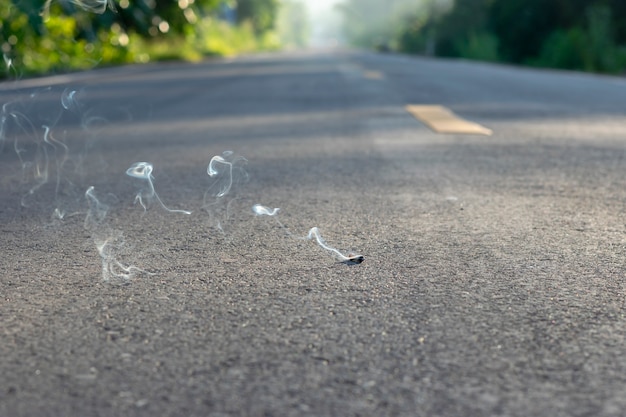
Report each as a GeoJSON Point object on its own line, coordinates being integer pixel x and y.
{"type": "Point", "coordinates": [314, 233]}
{"type": "Point", "coordinates": [91, 6]}
{"type": "Point", "coordinates": [44, 130]}
{"type": "Point", "coordinates": [109, 243]}
{"type": "Point", "coordinates": [37, 130]}
{"type": "Point", "coordinates": [226, 172]}
{"type": "Point", "coordinates": [260, 210]}
{"type": "Point", "coordinates": [143, 171]}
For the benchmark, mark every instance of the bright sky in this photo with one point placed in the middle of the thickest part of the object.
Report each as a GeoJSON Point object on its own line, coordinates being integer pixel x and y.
{"type": "Point", "coordinates": [317, 6]}
{"type": "Point", "coordinates": [324, 21]}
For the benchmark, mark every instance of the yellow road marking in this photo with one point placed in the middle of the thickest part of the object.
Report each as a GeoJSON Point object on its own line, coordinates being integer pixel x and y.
{"type": "Point", "coordinates": [443, 120]}
{"type": "Point", "coordinates": [373, 75]}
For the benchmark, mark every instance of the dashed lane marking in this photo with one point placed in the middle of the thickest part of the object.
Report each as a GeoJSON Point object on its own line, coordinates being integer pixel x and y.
{"type": "Point", "coordinates": [443, 120]}
{"type": "Point", "coordinates": [373, 75]}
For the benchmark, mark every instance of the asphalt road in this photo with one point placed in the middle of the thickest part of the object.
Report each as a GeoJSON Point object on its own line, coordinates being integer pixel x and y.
{"type": "Point", "coordinates": [493, 280]}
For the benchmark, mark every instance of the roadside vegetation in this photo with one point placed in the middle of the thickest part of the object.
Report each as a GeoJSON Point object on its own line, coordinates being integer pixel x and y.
{"type": "Point", "coordinates": [588, 35]}
{"type": "Point", "coordinates": [54, 36]}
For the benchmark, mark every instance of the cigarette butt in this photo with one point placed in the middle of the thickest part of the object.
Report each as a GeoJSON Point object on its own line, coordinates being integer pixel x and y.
{"type": "Point", "coordinates": [357, 259]}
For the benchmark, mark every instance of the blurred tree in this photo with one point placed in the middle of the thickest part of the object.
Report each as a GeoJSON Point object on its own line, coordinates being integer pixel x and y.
{"type": "Point", "coordinates": [618, 8]}
{"type": "Point", "coordinates": [59, 39]}
{"type": "Point", "coordinates": [375, 23]}
{"type": "Point", "coordinates": [523, 25]}
{"type": "Point", "coordinates": [55, 35]}
{"type": "Point", "coordinates": [155, 17]}
{"type": "Point", "coordinates": [576, 34]}
{"type": "Point", "coordinates": [260, 13]}
{"type": "Point", "coordinates": [468, 18]}
{"type": "Point", "coordinates": [293, 23]}
{"type": "Point", "coordinates": [567, 33]}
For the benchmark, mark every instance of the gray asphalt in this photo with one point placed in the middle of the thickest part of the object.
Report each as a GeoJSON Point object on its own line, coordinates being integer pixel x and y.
{"type": "Point", "coordinates": [493, 280]}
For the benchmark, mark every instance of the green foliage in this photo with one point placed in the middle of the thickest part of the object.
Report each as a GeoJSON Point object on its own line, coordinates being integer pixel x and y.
{"type": "Point", "coordinates": [417, 34]}
{"type": "Point", "coordinates": [66, 35]}
{"type": "Point", "coordinates": [454, 27]}
{"type": "Point", "coordinates": [260, 14]}
{"type": "Point", "coordinates": [590, 49]}
{"type": "Point", "coordinates": [576, 34]}
{"type": "Point", "coordinates": [55, 43]}
{"type": "Point", "coordinates": [293, 23]}
{"type": "Point", "coordinates": [481, 46]}
{"type": "Point", "coordinates": [604, 54]}
{"type": "Point", "coordinates": [566, 49]}
{"type": "Point", "coordinates": [372, 23]}
{"type": "Point", "coordinates": [215, 37]}
{"type": "Point", "coordinates": [522, 27]}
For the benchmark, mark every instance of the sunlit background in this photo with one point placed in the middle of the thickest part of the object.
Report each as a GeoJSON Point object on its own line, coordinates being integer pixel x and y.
{"type": "Point", "coordinates": [325, 21]}
{"type": "Point", "coordinates": [59, 35]}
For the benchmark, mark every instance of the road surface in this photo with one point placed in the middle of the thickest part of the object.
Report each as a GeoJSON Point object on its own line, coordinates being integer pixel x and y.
{"type": "Point", "coordinates": [493, 273]}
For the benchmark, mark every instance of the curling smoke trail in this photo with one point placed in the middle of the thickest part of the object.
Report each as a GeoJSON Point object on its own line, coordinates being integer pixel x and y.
{"type": "Point", "coordinates": [17, 124]}
{"type": "Point", "coordinates": [260, 210]}
{"type": "Point", "coordinates": [227, 172]}
{"type": "Point", "coordinates": [97, 210]}
{"type": "Point", "coordinates": [37, 135]}
{"type": "Point", "coordinates": [30, 130]}
{"type": "Point", "coordinates": [39, 166]}
{"type": "Point", "coordinates": [69, 101]}
{"type": "Point", "coordinates": [314, 233]}
{"type": "Point", "coordinates": [3, 127]}
{"type": "Point", "coordinates": [60, 161]}
{"type": "Point", "coordinates": [8, 63]}
{"type": "Point", "coordinates": [143, 171]}
{"type": "Point", "coordinates": [108, 242]}
{"type": "Point", "coordinates": [112, 269]}
{"type": "Point", "coordinates": [92, 6]}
